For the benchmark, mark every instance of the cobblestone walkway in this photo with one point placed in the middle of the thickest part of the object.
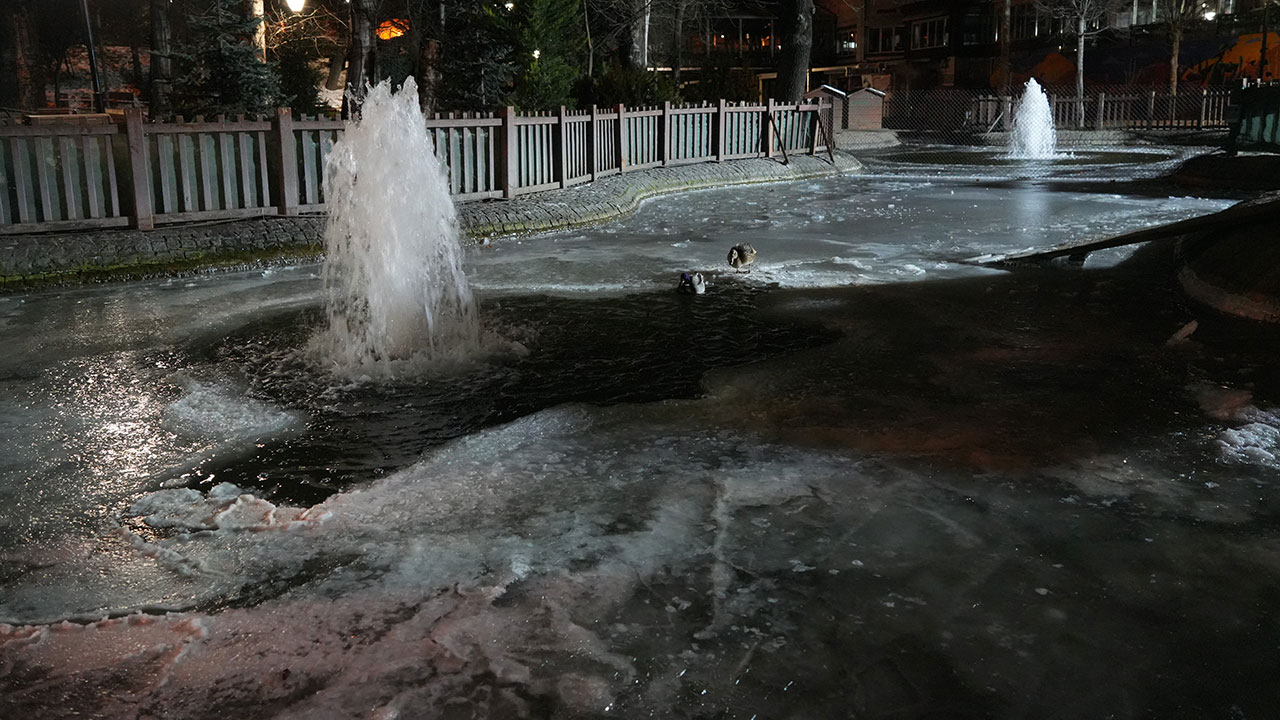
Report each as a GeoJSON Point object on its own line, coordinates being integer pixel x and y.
{"type": "Point", "coordinates": [28, 261]}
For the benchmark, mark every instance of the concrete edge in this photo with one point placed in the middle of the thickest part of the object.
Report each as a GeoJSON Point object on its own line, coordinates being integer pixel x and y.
{"type": "Point", "coordinates": [1252, 308]}
{"type": "Point", "coordinates": [620, 195]}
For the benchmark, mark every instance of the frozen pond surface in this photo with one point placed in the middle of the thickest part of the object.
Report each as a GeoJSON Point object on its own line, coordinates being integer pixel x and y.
{"type": "Point", "coordinates": [860, 481]}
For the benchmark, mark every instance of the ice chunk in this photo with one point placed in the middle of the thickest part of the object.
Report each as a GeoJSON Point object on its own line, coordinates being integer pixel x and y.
{"type": "Point", "coordinates": [207, 410]}
{"type": "Point", "coordinates": [1254, 443]}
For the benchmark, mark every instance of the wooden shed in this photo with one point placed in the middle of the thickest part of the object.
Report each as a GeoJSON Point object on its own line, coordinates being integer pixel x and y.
{"type": "Point", "coordinates": [861, 109]}
{"type": "Point", "coordinates": [864, 109]}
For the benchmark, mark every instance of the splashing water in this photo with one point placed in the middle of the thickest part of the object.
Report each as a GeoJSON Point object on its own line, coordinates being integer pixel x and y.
{"type": "Point", "coordinates": [1034, 136]}
{"type": "Point", "coordinates": [395, 289]}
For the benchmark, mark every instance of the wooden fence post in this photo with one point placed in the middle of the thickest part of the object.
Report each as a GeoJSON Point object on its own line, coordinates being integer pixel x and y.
{"type": "Point", "coordinates": [284, 176]}
{"type": "Point", "coordinates": [593, 144]}
{"type": "Point", "coordinates": [1102, 103]}
{"type": "Point", "coordinates": [1204, 101]}
{"type": "Point", "coordinates": [562, 165]}
{"type": "Point", "coordinates": [665, 140]}
{"type": "Point", "coordinates": [815, 126]}
{"type": "Point", "coordinates": [509, 161]}
{"type": "Point", "coordinates": [1151, 109]}
{"type": "Point", "coordinates": [142, 215]}
{"type": "Point", "coordinates": [722, 130]}
{"type": "Point", "coordinates": [621, 138]}
{"type": "Point", "coordinates": [768, 128]}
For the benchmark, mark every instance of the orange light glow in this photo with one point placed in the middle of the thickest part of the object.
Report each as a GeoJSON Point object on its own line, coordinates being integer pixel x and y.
{"type": "Point", "coordinates": [393, 28]}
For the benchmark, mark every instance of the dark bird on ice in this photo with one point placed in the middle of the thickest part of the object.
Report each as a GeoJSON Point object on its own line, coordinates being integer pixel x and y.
{"type": "Point", "coordinates": [741, 255]}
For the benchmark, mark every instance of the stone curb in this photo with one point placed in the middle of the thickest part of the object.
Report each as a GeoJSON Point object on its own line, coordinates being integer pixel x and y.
{"type": "Point", "coordinates": [37, 260]}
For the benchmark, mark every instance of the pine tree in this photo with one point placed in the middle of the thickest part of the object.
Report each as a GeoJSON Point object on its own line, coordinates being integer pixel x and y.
{"type": "Point", "coordinates": [547, 52]}
{"type": "Point", "coordinates": [217, 69]}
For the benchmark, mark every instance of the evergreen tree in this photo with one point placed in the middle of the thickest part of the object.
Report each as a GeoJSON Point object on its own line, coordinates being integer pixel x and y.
{"type": "Point", "coordinates": [474, 61]}
{"type": "Point", "coordinates": [217, 69]}
{"type": "Point", "coordinates": [547, 52]}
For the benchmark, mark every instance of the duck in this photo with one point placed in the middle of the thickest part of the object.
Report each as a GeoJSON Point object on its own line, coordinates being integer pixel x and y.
{"type": "Point", "coordinates": [692, 283]}
{"type": "Point", "coordinates": [741, 255]}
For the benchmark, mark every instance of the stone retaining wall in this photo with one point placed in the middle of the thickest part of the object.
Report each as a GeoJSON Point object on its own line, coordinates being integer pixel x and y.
{"type": "Point", "coordinates": [28, 261]}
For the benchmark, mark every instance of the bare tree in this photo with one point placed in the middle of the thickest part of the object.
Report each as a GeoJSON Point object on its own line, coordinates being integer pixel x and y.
{"type": "Point", "coordinates": [684, 14]}
{"type": "Point", "coordinates": [1179, 16]}
{"type": "Point", "coordinates": [1083, 19]}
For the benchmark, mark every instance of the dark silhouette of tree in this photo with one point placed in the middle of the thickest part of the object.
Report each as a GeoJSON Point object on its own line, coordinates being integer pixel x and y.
{"type": "Point", "coordinates": [796, 17]}
{"type": "Point", "coordinates": [161, 58]}
{"type": "Point", "coordinates": [217, 70]}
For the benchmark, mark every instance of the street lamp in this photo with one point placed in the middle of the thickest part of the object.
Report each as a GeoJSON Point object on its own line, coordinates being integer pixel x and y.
{"type": "Point", "coordinates": [98, 102]}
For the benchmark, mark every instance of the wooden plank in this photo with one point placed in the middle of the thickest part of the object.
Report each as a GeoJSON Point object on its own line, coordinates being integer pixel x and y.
{"type": "Point", "coordinates": [186, 172]}
{"type": "Point", "coordinates": [491, 160]}
{"type": "Point", "coordinates": [27, 131]}
{"type": "Point", "coordinates": [508, 151]}
{"type": "Point", "coordinates": [207, 171]}
{"type": "Point", "coordinates": [141, 214]}
{"type": "Point", "coordinates": [562, 148]}
{"type": "Point", "coordinates": [593, 138]}
{"type": "Point", "coordinates": [457, 166]}
{"type": "Point", "coordinates": [466, 161]}
{"type": "Point", "coordinates": [70, 177]}
{"type": "Point", "coordinates": [92, 175]}
{"type": "Point", "coordinates": [326, 141]}
{"type": "Point", "coordinates": [6, 208]}
{"type": "Point", "coordinates": [284, 187]}
{"type": "Point", "coordinates": [203, 215]}
{"type": "Point", "coordinates": [43, 153]}
{"type": "Point", "coordinates": [59, 225]}
{"type": "Point", "coordinates": [114, 208]}
{"type": "Point", "coordinates": [244, 160]}
{"type": "Point", "coordinates": [227, 168]}
{"type": "Point", "coordinates": [307, 146]}
{"type": "Point", "coordinates": [620, 138]}
{"type": "Point", "coordinates": [166, 154]}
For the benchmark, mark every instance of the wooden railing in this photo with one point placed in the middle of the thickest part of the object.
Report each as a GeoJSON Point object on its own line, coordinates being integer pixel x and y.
{"type": "Point", "coordinates": [140, 174]}
{"type": "Point", "coordinates": [1123, 110]}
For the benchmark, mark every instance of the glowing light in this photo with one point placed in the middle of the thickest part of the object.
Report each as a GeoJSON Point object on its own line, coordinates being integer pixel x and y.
{"type": "Point", "coordinates": [1210, 14]}
{"type": "Point", "coordinates": [537, 54]}
{"type": "Point", "coordinates": [296, 5]}
{"type": "Point", "coordinates": [510, 6]}
{"type": "Point", "coordinates": [393, 28]}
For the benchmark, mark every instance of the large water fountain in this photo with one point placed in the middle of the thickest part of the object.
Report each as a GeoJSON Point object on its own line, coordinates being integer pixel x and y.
{"type": "Point", "coordinates": [395, 289]}
{"type": "Point", "coordinates": [1034, 136]}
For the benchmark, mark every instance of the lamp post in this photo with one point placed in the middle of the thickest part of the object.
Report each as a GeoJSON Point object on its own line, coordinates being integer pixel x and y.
{"type": "Point", "coordinates": [99, 103]}
{"type": "Point", "coordinates": [1266, 30]}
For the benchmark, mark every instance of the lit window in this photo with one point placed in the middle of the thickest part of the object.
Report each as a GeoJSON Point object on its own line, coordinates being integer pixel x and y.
{"type": "Point", "coordinates": [393, 28]}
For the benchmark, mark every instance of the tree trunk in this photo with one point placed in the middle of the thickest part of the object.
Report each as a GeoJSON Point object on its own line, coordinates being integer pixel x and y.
{"type": "Point", "coordinates": [256, 9]}
{"type": "Point", "coordinates": [633, 53]}
{"type": "Point", "coordinates": [591, 48]}
{"type": "Point", "coordinates": [1006, 66]}
{"type": "Point", "coordinates": [677, 42]}
{"type": "Point", "coordinates": [793, 70]}
{"type": "Point", "coordinates": [161, 63]}
{"type": "Point", "coordinates": [360, 56]}
{"type": "Point", "coordinates": [1173, 61]}
{"type": "Point", "coordinates": [424, 49]}
{"type": "Point", "coordinates": [31, 73]}
{"type": "Point", "coordinates": [1080, 28]}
